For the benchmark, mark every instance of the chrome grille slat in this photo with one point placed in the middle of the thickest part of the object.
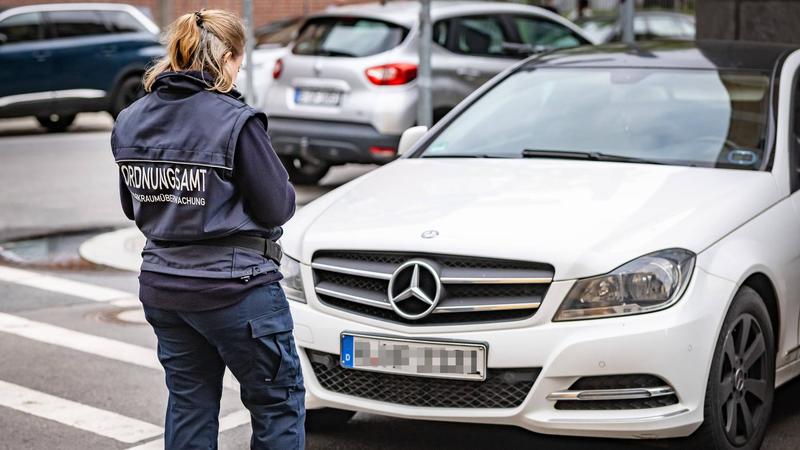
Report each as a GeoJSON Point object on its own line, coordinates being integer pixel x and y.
{"type": "Point", "coordinates": [362, 296]}
{"type": "Point", "coordinates": [471, 286]}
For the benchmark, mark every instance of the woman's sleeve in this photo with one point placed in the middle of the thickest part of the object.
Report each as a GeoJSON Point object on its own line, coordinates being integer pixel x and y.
{"type": "Point", "coordinates": [258, 173]}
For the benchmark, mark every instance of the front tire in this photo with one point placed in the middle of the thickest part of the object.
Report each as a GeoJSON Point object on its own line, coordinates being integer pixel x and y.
{"type": "Point", "coordinates": [741, 384]}
{"type": "Point", "coordinates": [327, 419]}
{"type": "Point", "coordinates": [304, 172]}
{"type": "Point", "coordinates": [128, 91]}
{"type": "Point", "coordinates": [56, 123]}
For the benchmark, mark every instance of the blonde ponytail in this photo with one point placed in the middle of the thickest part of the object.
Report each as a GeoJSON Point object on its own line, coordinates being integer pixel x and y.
{"type": "Point", "coordinates": [199, 41]}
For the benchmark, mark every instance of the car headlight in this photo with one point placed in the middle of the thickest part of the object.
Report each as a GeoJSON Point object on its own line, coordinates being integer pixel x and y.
{"type": "Point", "coordinates": [292, 283]}
{"type": "Point", "coordinates": [649, 283]}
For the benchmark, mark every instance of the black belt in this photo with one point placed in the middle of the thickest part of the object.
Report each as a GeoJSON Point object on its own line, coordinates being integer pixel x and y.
{"type": "Point", "coordinates": [263, 246]}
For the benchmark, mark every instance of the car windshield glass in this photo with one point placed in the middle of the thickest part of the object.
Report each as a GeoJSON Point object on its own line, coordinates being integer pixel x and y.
{"type": "Point", "coordinates": [347, 36]}
{"type": "Point", "coordinates": [681, 117]}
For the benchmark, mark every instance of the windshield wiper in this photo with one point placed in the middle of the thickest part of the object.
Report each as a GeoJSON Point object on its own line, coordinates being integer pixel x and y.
{"type": "Point", "coordinates": [593, 156]}
{"type": "Point", "coordinates": [468, 155]}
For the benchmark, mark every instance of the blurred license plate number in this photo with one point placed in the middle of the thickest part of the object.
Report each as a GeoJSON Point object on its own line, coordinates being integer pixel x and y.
{"type": "Point", "coordinates": [317, 97]}
{"type": "Point", "coordinates": [419, 358]}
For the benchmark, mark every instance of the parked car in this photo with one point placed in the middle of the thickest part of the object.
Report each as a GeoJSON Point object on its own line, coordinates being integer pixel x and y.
{"type": "Point", "coordinates": [271, 42]}
{"type": "Point", "coordinates": [647, 25]}
{"type": "Point", "coordinates": [600, 242]}
{"type": "Point", "coordinates": [347, 89]}
{"type": "Point", "coordinates": [73, 58]}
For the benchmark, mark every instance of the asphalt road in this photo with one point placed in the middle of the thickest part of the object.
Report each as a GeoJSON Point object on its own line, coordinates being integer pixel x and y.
{"type": "Point", "coordinates": [77, 367]}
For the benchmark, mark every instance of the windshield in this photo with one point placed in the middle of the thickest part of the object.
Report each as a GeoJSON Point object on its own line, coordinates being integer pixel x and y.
{"type": "Point", "coordinates": [682, 117]}
{"type": "Point", "coordinates": [347, 36]}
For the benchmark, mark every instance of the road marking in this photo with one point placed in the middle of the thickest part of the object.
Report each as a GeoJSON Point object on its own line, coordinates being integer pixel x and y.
{"type": "Point", "coordinates": [77, 415]}
{"type": "Point", "coordinates": [89, 343]}
{"type": "Point", "coordinates": [229, 422]}
{"type": "Point", "coordinates": [86, 343]}
{"type": "Point", "coordinates": [62, 285]}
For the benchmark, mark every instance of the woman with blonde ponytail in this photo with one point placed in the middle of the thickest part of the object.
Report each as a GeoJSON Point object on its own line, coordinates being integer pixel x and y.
{"type": "Point", "coordinates": [199, 177]}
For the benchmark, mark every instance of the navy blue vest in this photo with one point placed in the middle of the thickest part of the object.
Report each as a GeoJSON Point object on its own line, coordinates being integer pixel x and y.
{"type": "Point", "coordinates": [175, 150]}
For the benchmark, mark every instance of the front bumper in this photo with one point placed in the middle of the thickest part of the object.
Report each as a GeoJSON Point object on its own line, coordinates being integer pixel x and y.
{"type": "Point", "coordinates": [331, 142]}
{"type": "Point", "coordinates": [675, 344]}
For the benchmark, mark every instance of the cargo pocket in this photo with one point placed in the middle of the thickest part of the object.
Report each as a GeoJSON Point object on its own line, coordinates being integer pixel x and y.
{"type": "Point", "coordinates": [274, 360]}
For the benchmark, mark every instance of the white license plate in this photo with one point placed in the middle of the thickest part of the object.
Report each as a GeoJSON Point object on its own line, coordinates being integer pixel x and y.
{"type": "Point", "coordinates": [317, 97]}
{"type": "Point", "coordinates": [425, 358]}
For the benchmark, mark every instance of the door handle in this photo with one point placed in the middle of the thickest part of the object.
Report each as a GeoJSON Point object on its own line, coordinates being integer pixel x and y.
{"type": "Point", "coordinates": [468, 72]}
{"type": "Point", "coordinates": [41, 55]}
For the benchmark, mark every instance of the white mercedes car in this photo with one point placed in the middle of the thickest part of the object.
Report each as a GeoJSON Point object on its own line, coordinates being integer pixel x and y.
{"type": "Point", "coordinates": [600, 242]}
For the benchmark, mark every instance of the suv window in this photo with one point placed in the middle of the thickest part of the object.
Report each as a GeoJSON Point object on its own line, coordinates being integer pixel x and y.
{"type": "Point", "coordinates": [77, 23]}
{"type": "Point", "coordinates": [477, 36]}
{"type": "Point", "coordinates": [22, 28]}
{"type": "Point", "coordinates": [122, 22]}
{"type": "Point", "coordinates": [541, 32]}
{"type": "Point", "coordinates": [347, 36]}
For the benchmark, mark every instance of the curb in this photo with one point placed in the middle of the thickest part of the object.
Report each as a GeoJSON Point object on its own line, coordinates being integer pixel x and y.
{"type": "Point", "coordinates": [120, 249]}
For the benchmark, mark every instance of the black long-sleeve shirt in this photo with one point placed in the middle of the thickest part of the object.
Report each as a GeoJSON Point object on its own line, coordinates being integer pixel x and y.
{"type": "Point", "coordinates": [268, 198]}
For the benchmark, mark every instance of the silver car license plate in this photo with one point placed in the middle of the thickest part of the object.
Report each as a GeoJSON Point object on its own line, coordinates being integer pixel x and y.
{"type": "Point", "coordinates": [317, 97]}
{"type": "Point", "coordinates": [425, 358]}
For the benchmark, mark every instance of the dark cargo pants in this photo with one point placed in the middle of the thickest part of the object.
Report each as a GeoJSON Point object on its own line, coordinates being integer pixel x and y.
{"type": "Point", "coordinates": [254, 339]}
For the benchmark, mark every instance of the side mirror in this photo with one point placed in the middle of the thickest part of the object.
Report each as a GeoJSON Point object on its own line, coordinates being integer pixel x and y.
{"type": "Point", "coordinates": [3, 38]}
{"type": "Point", "coordinates": [410, 137]}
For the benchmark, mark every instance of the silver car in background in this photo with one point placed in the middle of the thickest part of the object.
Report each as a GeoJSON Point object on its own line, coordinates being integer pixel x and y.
{"type": "Point", "coordinates": [346, 90]}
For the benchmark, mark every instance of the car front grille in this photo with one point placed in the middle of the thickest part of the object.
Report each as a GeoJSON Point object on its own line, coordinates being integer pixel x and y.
{"type": "Point", "coordinates": [473, 289]}
{"type": "Point", "coordinates": [503, 388]}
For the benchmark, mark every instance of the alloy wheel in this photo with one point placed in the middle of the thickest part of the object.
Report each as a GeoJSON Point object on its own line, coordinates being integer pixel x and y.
{"type": "Point", "coordinates": [743, 381]}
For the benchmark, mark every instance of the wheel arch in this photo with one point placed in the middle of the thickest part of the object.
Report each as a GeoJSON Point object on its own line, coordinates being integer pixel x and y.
{"type": "Point", "coordinates": [762, 284]}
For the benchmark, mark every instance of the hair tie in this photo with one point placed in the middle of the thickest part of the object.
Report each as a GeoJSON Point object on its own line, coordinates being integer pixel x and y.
{"type": "Point", "coordinates": [198, 18]}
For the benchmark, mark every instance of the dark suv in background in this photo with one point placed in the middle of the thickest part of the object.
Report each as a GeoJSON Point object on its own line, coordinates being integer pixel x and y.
{"type": "Point", "coordinates": [63, 59]}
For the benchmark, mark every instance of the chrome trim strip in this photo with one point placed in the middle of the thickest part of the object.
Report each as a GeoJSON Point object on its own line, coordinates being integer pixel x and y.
{"type": "Point", "coordinates": [623, 420]}
{"type": "Point", "coordinates": [611, 394]}
{"type": "Point", "coordinates": [496, 307]}
{"type": "Point", "coordinates": [51, 95]}
{"type": "Point", "coordinates": [351, 271]}
{"type": "Point", "coordinates": [79, 93]}
{"type": "Point", "coordinates": [498, 280]}
{"type": "Point", "coordinates": [352, 298]}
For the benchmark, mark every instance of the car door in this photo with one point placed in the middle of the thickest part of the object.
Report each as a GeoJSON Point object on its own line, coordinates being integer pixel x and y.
{"type": "Point", "coordinates": [470, 51]}
{"type": "Point", "coordinates": [23, 48]}
{"type": "Point", "coordinates": [81, 50]}
{"type": "Point", "coordinates": [793, 275]}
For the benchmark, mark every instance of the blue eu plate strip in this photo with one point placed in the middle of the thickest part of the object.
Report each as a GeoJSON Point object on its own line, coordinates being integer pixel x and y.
{"type": "Point", "coordinates": [347, 351]}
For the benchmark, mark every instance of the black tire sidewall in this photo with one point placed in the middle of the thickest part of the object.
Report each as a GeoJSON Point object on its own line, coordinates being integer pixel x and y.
{"type": "Point", "coordinates": [63, 122]}
{"type": "Point", "coordinates": [128, 84]}
{"type": "Point", "coordinates": [310, 176]}
{"type": "Point", "coordinates": [746, 301]}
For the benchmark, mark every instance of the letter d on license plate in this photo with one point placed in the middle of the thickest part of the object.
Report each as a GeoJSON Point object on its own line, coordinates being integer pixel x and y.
{"type": "Point", "coordinates": [424, 358]}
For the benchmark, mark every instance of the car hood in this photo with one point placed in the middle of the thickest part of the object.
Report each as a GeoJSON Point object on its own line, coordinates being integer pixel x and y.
{"type": "Point", "coordinates": [583, 217]}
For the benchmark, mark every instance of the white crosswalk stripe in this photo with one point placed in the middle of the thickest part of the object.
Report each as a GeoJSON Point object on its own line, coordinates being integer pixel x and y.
{"type": "Point", "coordinates": [77, 415]}
{"type": "Point", "coordinates": [62, 285]}
{"type": "Point", "coordinates": [88, 343]}
{"type": "Point", "coordinates": [72, 413]}
{"type": "Point", "coordinates": [229, 422]}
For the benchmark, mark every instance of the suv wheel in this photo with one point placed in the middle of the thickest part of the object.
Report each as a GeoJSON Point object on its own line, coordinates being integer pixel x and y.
{"type": "Point", "coordinates": [56, 123]}
{"type": "Point", "coordinates": [327, 419]}
{"type": "Point", "coordinates": [741, 384]}
{"type": "Point", "coordinates": [302, 171]}
{"type": "Point", "coordinates": [128, 91]}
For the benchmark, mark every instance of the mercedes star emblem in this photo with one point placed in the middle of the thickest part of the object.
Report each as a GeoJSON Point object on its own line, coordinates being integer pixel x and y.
{"type": "Point", "coordinates": [414, 289]}
{"type": "Point", "coordinates": [429, 234]}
